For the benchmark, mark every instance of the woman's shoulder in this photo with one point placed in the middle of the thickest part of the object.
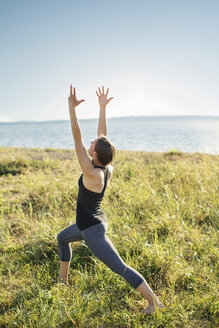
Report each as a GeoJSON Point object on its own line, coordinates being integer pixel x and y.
{"type": "Point", "coordinates": [110, 170]}
{"type": "Point", "coordinates": [101, 169]}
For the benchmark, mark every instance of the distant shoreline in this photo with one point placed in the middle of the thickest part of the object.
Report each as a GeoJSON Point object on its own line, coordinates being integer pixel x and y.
{"type": "Point", "coordinates": [128, 118]}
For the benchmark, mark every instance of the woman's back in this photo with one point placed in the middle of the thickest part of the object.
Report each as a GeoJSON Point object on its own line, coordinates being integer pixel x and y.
{"type": "Point", "coordinates": [89, 211]}
{"type": "Point", "coordinates": [96, 181]}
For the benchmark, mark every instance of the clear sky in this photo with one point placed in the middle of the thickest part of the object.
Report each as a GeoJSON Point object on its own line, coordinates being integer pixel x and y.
{"type": "Point", "coordinates": [157, 57]}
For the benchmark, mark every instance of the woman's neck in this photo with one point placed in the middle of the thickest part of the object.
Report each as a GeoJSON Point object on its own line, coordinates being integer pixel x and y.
{"type": "Point", "coordinates": [96, 163]}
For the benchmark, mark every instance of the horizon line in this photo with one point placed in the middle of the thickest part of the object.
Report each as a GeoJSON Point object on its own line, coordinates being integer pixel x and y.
{"type": "Point", "coordinates": [115, 117]}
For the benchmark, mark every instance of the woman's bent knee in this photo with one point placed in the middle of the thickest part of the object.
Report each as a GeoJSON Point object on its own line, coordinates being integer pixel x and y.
{"type": "Point", "coordinates": [60, 237]}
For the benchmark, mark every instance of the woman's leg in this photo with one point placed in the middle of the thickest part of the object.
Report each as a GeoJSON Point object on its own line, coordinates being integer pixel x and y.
{"type": "Point", "coordinates": [145, 290]}
{"type": "Point", "coordinates": [65, 237]}
{"type": "Point", "coordinates": [100, 244]}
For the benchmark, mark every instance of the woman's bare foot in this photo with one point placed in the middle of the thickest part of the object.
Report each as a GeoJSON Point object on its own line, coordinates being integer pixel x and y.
{"type": "Point", "coordinates": [152, 308]}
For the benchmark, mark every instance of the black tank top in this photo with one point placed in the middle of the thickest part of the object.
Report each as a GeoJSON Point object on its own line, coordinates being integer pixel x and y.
{"type": "Point", "coordinates": [89, 211]}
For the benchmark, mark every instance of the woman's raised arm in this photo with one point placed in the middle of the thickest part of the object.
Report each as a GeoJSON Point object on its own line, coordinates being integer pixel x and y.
{"type": "Point", "coordinates": [103, 101]}
{"type": "Point", "coordinates": [83, 159]}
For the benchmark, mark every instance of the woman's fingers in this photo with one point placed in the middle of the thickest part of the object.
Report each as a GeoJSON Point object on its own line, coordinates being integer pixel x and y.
{"type": "Point", "coordinates": [109, 100]}
{"type": "Point", "coordinates": [98, 94]}
{"type": "Point", "coordinates": [74, 92]}
{"type": "Point", "coordinates": [101, 93]}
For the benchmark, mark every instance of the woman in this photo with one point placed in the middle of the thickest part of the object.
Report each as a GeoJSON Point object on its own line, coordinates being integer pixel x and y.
{"type": "Point", "coordinates": [91, 223]}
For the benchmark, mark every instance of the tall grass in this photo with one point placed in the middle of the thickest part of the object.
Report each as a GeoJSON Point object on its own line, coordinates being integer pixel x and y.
{"type": "Point", "coordinates": [163, 219]}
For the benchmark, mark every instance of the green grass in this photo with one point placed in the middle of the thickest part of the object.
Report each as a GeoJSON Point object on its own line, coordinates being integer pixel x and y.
{"type": "Point", "coordinates": [163, 218]}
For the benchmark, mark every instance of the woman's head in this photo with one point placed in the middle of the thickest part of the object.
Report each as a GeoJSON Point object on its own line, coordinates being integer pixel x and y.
{"type": "Point", "coordinates": [104, 149]}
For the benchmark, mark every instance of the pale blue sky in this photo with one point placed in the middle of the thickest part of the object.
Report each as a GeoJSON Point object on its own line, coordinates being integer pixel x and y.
{"type": "Point", "coordinates": [157, 57]}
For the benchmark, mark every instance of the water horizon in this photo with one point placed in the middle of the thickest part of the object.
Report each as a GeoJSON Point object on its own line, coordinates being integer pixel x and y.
{"type": "Point", "coordinates": [186, 133]}
{"type": "Point", "coordinates": [128, 117]}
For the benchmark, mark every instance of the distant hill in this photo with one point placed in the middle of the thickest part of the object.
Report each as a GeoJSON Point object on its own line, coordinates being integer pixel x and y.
{"type": "Point", "coordinates": [126, 118]}
{"type": "Point", "coordinates": [165, 117]}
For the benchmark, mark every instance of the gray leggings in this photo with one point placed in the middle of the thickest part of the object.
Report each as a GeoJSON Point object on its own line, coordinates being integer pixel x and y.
{"type": "Point", "coordinates": [101, 246]}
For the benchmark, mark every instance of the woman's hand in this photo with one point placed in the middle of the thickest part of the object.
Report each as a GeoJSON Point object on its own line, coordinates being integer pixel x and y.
{"type": "Point", "coordinates": [72, 100]}
{"type": "Point", "coordinates": [103, 101]}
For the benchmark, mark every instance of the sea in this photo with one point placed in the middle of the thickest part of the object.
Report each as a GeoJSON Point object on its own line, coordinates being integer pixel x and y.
{"type": "Point", "coordinates": [139, 133]}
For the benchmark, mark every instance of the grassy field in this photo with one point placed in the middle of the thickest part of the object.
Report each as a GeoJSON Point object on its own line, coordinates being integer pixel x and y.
{"type": "Point", "coordinates": [163, 218]}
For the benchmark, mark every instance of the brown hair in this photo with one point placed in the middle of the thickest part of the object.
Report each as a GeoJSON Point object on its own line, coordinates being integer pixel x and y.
{"type": "Point", "coordinates": [105, 150]}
